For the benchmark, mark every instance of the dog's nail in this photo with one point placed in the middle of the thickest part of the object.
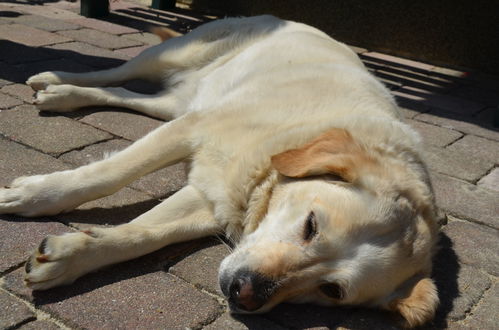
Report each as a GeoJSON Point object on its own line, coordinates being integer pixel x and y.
{"type": "Point", "coordinates": [43, 258]}
{"type": "Point", "coordinates": [43, 245]}
{"type": "Point", "coordinates": [27, 266]}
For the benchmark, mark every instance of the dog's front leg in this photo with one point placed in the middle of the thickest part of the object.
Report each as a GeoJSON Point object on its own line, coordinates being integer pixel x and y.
{"type": "Point", "coordinates": [61, 259]}
{"type": "Point", "coordinates": [63, 191]}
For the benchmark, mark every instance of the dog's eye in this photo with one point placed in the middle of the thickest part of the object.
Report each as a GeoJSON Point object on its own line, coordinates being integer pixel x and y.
{"type": "Point", "coordinates": [332, 290]}
{"type": "Point", "coordinates": [310, 227]}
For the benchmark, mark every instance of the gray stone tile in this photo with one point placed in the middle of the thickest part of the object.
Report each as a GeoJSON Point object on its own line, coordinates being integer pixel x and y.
{"type": "Point", "coordinates": [144, 37]}
{"type": "Point", "coordinates": [29, 36]}
{"type": "Point", "coordinates": [13, 311]}
{"type": "Point", "coordinates": [20, 91]}
{"type": "Point", "coordinates": [129, 125]}
{"type": "Point", "coordinates": [52, 135]}
{"type": "Point", "coordinates": [457, 163]}
{"type": "Point", "coordinates": [97, 24]}
{"type": "Point", "coordinates": [131, 295]}
{"type": "Point", "coordinates": [39, 325]}
{"type": "Point", "coordinates": [477, 147]}
{"type": "Point", "coordinates": [491, 180]}
{"type": "Point", "coordinates": [90, 55]}
{"type": "Point", "coordinates": [466, 200]}
{"type": "Point", "coordinates": [470, 125]}
{"type": "Point", "coordinates": [435, 135]}
{"type": "Point", "coordinates": [7, 101]}
{"type": "Point", "coordinates": [454, 104]}
{"type": "Point", "coordinates": [45, 23]}
{"type": "Point", "coordinates": [475, 245]}
{"type": "Point", "coordinates": [201, 267]}
{"type": "Point", "coordinates": [99, 38]}
{"type": "Point", "coordinates": [484, 96]}
{"type": "Point", "coordinates": [484, 316]}
{"type": "Point", "coordinates": [242, 322]}
{"type": "Point", "coordinates": [20, 236]}
{"type": "Point", "coordinates": [22, 161]}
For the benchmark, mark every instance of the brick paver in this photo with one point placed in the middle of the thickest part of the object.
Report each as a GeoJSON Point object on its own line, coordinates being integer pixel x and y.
{"type": "Point", "coordinates": [29, 36]}
{"type": "Point", "coordinates": [176, 287]}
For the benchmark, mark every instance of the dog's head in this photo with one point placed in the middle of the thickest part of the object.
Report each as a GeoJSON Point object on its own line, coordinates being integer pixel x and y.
{"type": "Point", "coordinates": [347, 225]}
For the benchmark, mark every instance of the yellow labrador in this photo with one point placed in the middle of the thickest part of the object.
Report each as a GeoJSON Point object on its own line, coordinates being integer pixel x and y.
{"type": "Point", "coordinates": [297, 153]}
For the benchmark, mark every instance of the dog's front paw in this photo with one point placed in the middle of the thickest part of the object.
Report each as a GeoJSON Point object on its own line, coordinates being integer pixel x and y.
{"type": "Point", "coordinates": [42, 80]}
{"type": "Point", "coordinates": [58, 260]}
{"type": "Point", "coordinates": [37, 195]}
{"type": "Point", "coordinates": [60, 98]}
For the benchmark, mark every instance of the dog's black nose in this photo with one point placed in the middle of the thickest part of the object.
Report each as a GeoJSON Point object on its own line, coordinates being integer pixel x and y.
{"type": "Point", "coordinates": [248, 291]}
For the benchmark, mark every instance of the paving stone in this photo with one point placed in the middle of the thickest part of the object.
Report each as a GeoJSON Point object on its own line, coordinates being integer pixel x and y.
{"type": "Point", "coordinates": [48, 11]}
{"type": "Point", "coordinates": [457, 163]}
{"type": "Point", "coordinates": [120, 207]}
{"type": "Point", "coordinates": [201, 268]}
{"type": "Point", "coordinates": [491, 180]}
{"type": "Point", "coordinates": [435, 135]}
{"type": "Point", "coordinates": [475, 245]}
{"type": "Point", "coordinates": [466, 200]}
{"type": "Point", "coordinates": [29, 36]}
{"type": "Point", "coordinates": [368, 319]}
{"type": "Point", "coordinates": [130, 295]}
{"type": "Point", "coordinates": [22, 161]}
{"type": "Point", "coordinates": [480, 125]}
{"type": "Point", "coordinates": [38, 325]}
{"type": "Point", "coordinates": [20, 91]}
{"type": "Point", "coordinates": [129, 125]}
{"type": "Point", "coordinates": [454, 104]}
{"type": "Point", "coordinates": [484, 316]}
{"type": "Point", "coordinates": [132, 51]}
{"type": "Point", "coordinates": [242, 322]}
{"type": "Point", "coordinates": [13, 311]}
{"type": "Point", "coordinates": [20, 236]}
{"type": "Point", "coordinates": [99, 38]}
{"type": "Point", "coordinates": [408, 113]}
{"type": "Point", "coordinates": [101, 25]}
{"type": "Point", "coordinates": [478, 147]}
{"type": "Point", "coordinates": [398, 61]}
{"type": "Point", "coordinates": [306, 316]}
{"type": "Point", "coordinates": [52, 135]}
{"type": "Point", "coordinates": [144, 37]}
{"type": "Point", "coordinates": [90, 55]}
{"type": "Point", "coordinates": [470, 283]}
{"type": "Point", "coordinates": [11, 50]}
{"type": "Point", "coordinates": [412, 80]}
{"type": "Point", "coordinates": [45, 23]}
{"type": "Point", "coordinates": [7, 101]}
{"type": "Point", "coordinates": [159, 184]}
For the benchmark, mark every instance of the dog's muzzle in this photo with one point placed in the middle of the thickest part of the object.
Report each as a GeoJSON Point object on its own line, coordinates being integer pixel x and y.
{"type": "Point", "coordinates": [247, 291]}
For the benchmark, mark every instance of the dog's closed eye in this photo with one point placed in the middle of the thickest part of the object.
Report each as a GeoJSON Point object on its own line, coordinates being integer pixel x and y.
{"type": "Point", "coordinates": [310, 229]}
{"type": "Point", "coordinates": [332, 290]}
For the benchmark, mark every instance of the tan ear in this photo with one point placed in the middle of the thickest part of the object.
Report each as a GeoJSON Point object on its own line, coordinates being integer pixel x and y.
{"type": "Point", "coordinates": [419, 304]}
{"type": "Point", "coordinates": [334, 152]}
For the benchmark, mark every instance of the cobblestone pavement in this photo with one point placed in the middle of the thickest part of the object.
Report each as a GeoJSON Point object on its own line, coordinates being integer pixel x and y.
{"type": "Point", "coordinates": [175, 288]}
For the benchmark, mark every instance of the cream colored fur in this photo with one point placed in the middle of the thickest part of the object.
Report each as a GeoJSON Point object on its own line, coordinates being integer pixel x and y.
{"type": "Point", "coordinates": [240, 91]}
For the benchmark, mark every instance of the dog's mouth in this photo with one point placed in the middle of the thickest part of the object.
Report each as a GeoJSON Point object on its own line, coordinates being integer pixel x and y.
{"type": "Point", "coordinates": [247, 291]}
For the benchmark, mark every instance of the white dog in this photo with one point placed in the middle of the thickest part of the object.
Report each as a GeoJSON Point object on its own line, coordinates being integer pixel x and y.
{"type": "Point", "coordinates": [297, 153]}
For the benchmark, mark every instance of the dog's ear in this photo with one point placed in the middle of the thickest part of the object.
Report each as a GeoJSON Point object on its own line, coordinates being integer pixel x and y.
{"type": "Point", "coordinates": [416, 303]}
{"type": "Point", "coordinates": [333, 152]}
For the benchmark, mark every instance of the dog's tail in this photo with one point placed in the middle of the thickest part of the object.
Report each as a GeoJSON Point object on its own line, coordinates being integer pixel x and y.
{"type": "Point", "coordinates": [164, 33]}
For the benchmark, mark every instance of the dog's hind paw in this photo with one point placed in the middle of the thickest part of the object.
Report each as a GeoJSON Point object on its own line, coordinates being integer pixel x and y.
{"type": "Point", "coordinates": [58, 260]}
{"type": "Point", "coordinates": [42, 80]}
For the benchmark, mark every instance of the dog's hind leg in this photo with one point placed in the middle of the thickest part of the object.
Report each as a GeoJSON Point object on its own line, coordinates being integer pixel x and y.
{"type": "Point", "coordinates": [63, 191]}
{"type": "Point", "coordinates": [64, 98]}
{"type": "Point", "coordinates": [61, 259]}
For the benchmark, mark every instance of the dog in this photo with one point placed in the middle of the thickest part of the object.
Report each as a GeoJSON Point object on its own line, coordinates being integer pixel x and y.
{"type": "Point", "coordinates": [297, 154]}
